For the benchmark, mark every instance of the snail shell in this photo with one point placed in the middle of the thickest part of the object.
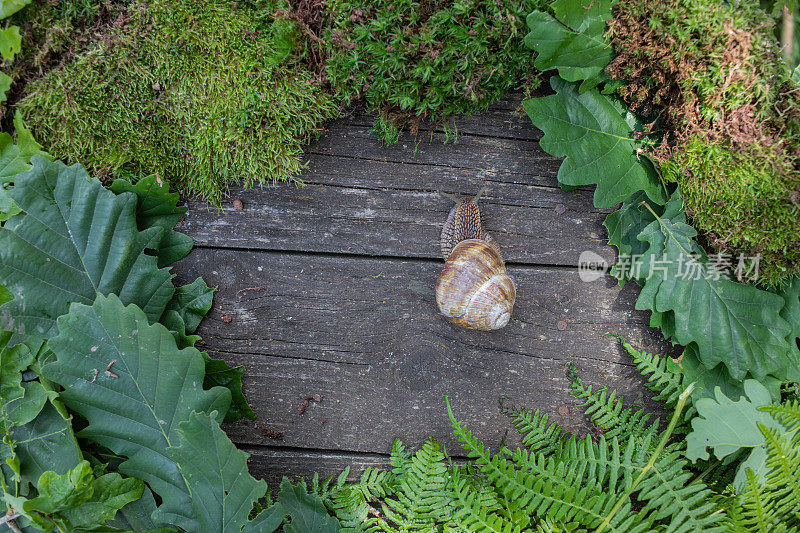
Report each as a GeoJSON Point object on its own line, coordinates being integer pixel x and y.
{"type": "Point", "coordinates": [473, 290]}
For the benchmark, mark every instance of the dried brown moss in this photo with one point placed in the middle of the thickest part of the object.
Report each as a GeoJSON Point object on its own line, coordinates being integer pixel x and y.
{"type": "Point", "coordinates": [700, 67]}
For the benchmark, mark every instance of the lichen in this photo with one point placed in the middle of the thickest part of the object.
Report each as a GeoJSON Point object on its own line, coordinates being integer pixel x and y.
{"type": "Point", "coordinates": [204, 94]}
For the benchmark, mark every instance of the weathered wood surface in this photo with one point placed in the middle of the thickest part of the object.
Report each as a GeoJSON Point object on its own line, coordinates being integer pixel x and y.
{"type": "Point", "coordinates": [328, 290]}
{"type": "Point", "coordinates": [367, 199]}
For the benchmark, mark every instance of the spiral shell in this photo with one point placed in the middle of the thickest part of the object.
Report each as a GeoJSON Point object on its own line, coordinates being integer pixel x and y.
{"type": "Point", "coordinates": [473, 290]}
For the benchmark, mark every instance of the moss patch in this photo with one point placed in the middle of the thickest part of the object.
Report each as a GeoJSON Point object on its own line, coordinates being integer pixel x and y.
{"type": "Point", "coordinates": [699, 66]}
{"type": "Point", "coordinates": [708, 75]}
{"type": "Point", "coordinates": [411, 60]}
{"type": "Point", "coordinates": [203, 93]}
{"type": "Point", "coordinates": [747, 201]}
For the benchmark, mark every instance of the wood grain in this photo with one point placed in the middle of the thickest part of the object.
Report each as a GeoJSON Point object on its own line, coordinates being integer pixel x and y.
{"type": "Point", "coordinates": [272, 464]}
{"type": "Point", "coordinates": [365, 334]}
{"type": "Point", "coordinates": [327, 290]}
{"type": "Point", "coordinates": [366, 199]}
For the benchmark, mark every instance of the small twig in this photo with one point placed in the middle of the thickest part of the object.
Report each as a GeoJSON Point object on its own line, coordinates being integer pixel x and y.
{"type": "Point", "coordinates": [787, 33]}
{"type": "Point", "coordinates": [244, 291]}
{"type": "Point", "coordinates": [8, 520]}
{"type": "Point", "coordinates": [109, 373]}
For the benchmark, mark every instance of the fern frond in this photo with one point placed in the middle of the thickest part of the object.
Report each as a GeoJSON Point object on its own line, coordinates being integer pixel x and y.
{"type": "Point", "coordinates": [605, 462]}
{"type": "Point", "coordinates": [667, 383]}
{"type": "Point", "coordinates": [783, 461]}
{"type": "Point", "coordinates": [375, 484]}
{"type": "Point", "coordinates": [787, 413]}
{"type": "Point", "coordinates": [543, 487]}
{"type": "Point", "coordinates": [533, 427]}
{"type": "Point", "coordinates": [476, 511]}
{"type": "Point", "coordinates": [399, 458]}
{"type": "Point", "coordinates": [607, 411]}
{"type": "Point", "coordinates": [423, 498]}
{"type": "Point", "coordinates": [350, 509]}
{"type": "Point", "coordinates": [668, 492]}
{"type": "Point", "coordinates": [756, 511]}
{"type": "Point", "coordinates": [550, 526]}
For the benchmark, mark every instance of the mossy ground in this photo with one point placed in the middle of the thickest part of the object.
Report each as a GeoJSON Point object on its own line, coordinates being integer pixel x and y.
{"type": "Point", "coordinates": [698, 66]}
{"type": "Point", "coordinates": [202, 93]}
{"type": "Point", "coordinates": [743, 202]}
{"type": "Point", "coordinates": [411, 60]}
{"type": "Point", "coordinates": [709, 77]}
{"type": "Point", "coordinates": [205, 94]}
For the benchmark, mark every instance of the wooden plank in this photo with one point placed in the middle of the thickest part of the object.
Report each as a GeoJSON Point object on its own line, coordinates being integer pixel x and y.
{"type": "Point", "coordinates": [483, 157]}
{"type": "Point", "coordinates": [272, 464]}
{"type": "Point", "coordinates": [548, 227]}
{"type": "Point", "coordinates": [365, 335]}
{"type": "Point", "coordinates": [362, 198]}
{"type": "Point", "coordinates": [503, 119]}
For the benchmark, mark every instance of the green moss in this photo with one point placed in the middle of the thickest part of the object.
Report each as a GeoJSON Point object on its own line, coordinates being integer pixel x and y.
{"type": "Point", "coordinates": [744, 201]}
{"type": "Point", "coordinates": [411, 60]}
{"type": "Point", "coordinates": [712, 65]}
{"type": "Point", "coordinates": [203, 93]}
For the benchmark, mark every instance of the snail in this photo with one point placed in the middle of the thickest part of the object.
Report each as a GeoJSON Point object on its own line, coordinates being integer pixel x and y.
{"type": "Point", "coordinates": [473, 290]}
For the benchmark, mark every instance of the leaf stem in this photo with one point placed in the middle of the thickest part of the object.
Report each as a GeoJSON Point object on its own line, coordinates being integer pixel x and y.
{"type": "Point", "coordinates": [653, 458]}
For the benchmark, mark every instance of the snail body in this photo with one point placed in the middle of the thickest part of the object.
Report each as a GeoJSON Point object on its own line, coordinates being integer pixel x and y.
{"type": "Point", "coordinates": [474, 290]}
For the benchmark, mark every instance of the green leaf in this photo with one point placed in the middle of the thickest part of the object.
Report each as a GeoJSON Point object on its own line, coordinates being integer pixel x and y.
{"type": "Point", "coordinates": [727, 426]}
{"type": "Point", "coordinates": [9, 7]}
{"type": "Point", "coordinates": [590, 130]}
{"type": "Point", "coordinates": [73, 240]}
{"type": "Point", "coordinates": [706, 380]}
{"type": "Point", "coordinates": [192, 302]}
{"type": "Point", "coordinates": [135, 516]}
{"type": "Point", "coordinates": [76, 501]}
{"type": "Point", "coordinates": [136, 414]}
{"type": "Point", "coordinates": [110, 493]}
{"type": "Point", "coordinates": [45, 443]}
{"type": "Point", "coordinates": [5, 86]}
{"type": "Point", "coordinates": [733, 323]}
{"type": "Point", "coordinates": [177, 327]}
{"type": "Point", "coordinates": [10, 42]}
{"type": "Point", "coordinates": [13, 361]}
{"type": "Point", "coordinates": [791, 314]}
{"type": "Point", "coordinates": [218, 372]}
{"type": "Point", "coordinates": [14, 159]}
{"type": "Point", "coordinates": [221, 374]}
{"type": "Point", "coordinates": [573, 41]}
{"type": "Point", "coordinates": [157, 207]}
{"type": "Point", "coordinates": [267, 520]}
{"type": "Point", "coordinates": [29, 434]}
{"type": "Point", "coordinates": [14, 408]}
{"type": "Point", "coordinates": [62, 491]}
{"type": "Point", "coordinates": [223, 492]}
{"type": "Point", "coordinates": [757, 462]}
{"type": "Point", "coordinates": [7, 206]}
{"type": "Point", "coordinates": [306, 511]}
{"type": "Point", "coordinates": [5, 295]}
{"type": "Point", "coordinates": [624, 225]}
